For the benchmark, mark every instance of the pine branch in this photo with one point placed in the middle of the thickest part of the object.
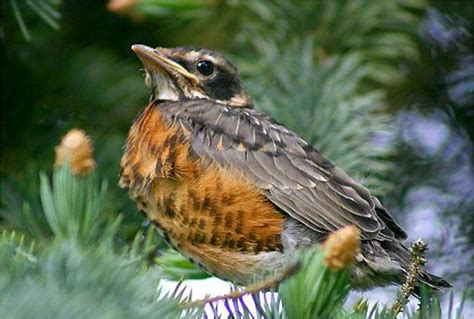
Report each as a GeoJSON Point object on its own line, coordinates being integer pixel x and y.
{"type": "Point", "coordinates": [74, 204]}
{"type": "Point", "coordinates": [260, 286]}
{"type": "Point", "coordinates": [80, 273]}
{"type": "Point", "coordinates": [417, 253]}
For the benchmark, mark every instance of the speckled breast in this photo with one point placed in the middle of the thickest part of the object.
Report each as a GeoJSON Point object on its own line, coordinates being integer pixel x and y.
{"type": "Point", "coordinates": [213, 215]}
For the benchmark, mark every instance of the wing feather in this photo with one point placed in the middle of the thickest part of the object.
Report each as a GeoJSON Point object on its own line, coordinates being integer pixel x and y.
{"type": "Point", "coordinates": [292, 174]}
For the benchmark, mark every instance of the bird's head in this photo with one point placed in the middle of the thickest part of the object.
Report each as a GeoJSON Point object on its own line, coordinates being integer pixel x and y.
{"type": "Point", "coordinates": [184, 73]}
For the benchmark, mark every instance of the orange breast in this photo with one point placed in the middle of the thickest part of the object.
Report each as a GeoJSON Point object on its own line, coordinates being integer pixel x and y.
{"type": "Point", "coordinates": [214, 215]}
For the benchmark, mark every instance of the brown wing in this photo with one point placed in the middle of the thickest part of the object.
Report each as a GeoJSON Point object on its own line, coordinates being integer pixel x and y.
{"type": "Point", "coordinates": [291, 173]}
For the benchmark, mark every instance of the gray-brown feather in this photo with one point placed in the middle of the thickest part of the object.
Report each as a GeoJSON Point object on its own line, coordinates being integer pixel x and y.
{"type": "Point", "coordinates": [320, 197]}
{"type": "Point", "coordinates": [292, 174]}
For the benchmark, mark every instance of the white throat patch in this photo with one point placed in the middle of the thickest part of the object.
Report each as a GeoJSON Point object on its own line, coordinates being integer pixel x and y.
{"type": "Point", "coordinates": [165, 88]}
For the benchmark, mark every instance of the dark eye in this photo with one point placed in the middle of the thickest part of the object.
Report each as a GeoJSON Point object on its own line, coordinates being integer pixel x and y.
{"type": "Point", "coordinates": [205, 67]}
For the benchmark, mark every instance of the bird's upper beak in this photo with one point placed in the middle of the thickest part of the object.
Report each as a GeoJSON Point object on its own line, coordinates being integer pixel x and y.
{"type": "Point", "coordinates": [155, 59]}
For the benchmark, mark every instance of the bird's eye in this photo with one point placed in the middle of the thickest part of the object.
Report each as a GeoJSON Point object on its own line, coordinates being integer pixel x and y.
{"type": "Point", "coordinates": [205, 67]}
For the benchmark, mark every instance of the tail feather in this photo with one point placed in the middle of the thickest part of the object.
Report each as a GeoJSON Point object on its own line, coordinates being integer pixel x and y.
{"type": "Point", "coordinates": [397, 251]}
{"type": "Point", "coordinates": [434, 281]}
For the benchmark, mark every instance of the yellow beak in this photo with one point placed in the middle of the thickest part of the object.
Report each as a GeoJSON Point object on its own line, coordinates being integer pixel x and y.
{"type": "Point", "coordinates": [154, 59]}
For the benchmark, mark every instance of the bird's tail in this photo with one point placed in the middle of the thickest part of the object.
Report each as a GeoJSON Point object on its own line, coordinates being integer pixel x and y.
{"type": "Point", "coordinates": [433, 281]}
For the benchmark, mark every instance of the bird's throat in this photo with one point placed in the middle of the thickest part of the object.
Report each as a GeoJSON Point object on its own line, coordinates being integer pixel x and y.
{"type": "Point", "coordinates": [163, 87]}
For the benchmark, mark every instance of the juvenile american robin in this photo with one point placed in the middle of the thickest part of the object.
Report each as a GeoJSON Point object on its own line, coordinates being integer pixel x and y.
{"type": "Point", "coordinates": [234, 190]}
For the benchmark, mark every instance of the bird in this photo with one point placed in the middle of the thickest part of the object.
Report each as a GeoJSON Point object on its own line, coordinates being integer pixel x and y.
{"type": "Point", "coordinates": [234, 190]}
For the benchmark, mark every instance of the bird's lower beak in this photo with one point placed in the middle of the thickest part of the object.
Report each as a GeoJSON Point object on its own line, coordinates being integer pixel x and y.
{"type": "Point", "coordinates": [154, 59]}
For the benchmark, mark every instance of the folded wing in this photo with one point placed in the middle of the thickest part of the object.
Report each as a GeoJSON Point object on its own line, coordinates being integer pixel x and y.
{"type": "Point", "coordinates": [290, 172]}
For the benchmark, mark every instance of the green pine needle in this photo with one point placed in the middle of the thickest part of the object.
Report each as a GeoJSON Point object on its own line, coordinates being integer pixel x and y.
{"type": "Point", "coordinates": [74, 205]}
{"type": "Point", "coordinates": [45, 9]}
{"type": "Point", "coordinates": [315, 291]}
